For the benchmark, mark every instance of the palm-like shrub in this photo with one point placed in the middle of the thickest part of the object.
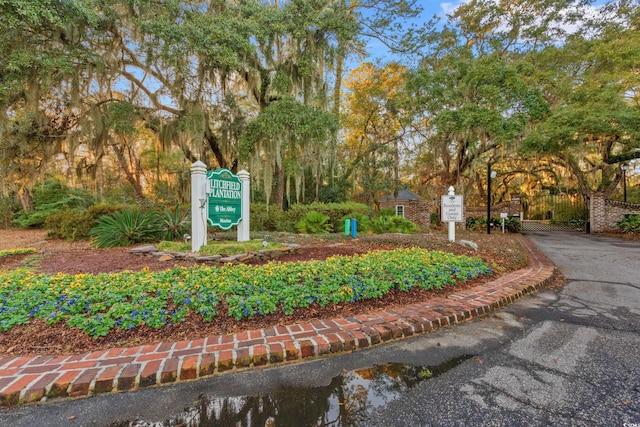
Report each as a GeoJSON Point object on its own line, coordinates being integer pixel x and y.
{"type": "Point", "coordinates": [126, 227]}
{"type": "Point", "coordinates": [314, 223]}
{"type": "Point", "coordinates": [392, 224]}
{"type": "Point", "coordinates": [363, 222]}
{"type": "Point", "coordinates": [175, 224]}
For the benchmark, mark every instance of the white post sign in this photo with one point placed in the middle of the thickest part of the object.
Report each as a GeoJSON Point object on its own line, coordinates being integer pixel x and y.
{"type": "Point", "coordinates": [228, 196]}
{"type": "Point", "coordinates": [452, 207]}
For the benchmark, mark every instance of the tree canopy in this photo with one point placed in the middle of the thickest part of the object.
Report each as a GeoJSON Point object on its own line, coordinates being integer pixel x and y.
{"type": "Point", "coordinates": [101, 92]}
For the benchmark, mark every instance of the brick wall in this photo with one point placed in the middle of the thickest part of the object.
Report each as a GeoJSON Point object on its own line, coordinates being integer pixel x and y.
{"type": "Point", "coordinates": [617, 210]}
{"type": "Point", "coordinates": [605, 213]}
{"type": "Point", "coordinates": [418, 211]}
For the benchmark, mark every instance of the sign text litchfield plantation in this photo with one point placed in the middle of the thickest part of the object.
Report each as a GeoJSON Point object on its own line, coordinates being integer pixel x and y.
{"type": "Point", "coordinates": [225, 199]}
{"type": "Point", "coordinates": [225, 189]}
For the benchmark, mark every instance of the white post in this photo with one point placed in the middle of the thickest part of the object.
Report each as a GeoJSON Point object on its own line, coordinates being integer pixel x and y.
{"type": "Point", "coordinates": [199, 206]}
{"type": "Point", "coordinates": [243, 225]}
{"type": "Point", "coordinates": [452, 225]}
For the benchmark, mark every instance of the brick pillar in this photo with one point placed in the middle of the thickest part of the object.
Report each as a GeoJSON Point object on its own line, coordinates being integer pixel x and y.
{"type": "Point", "coordinates": [597, 212]}
{"type": "Point", "coordinates": [514, 205]}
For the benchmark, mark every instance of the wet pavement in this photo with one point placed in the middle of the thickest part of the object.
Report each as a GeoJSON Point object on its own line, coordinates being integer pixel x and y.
{"type": "Point", "coordinates": [562, 356]}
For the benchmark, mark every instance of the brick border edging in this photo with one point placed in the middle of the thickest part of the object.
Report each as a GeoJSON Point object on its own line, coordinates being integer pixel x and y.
{"type": "Point", "coordinates": [41, 378]}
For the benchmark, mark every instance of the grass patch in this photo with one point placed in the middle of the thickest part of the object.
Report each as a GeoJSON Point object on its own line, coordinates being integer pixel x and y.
{"type": "Point", "coordinates": [18, 251]}
{"type": "Point", "coordinates": [220, 247]}
{"type": "Point", "coordinates": [31, 262]}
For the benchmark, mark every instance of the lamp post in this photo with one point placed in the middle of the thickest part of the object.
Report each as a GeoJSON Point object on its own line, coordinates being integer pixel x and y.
{"type": "Point", "coordinates": [490, 175]}
{"type": "Point", "coordinates": [625, 168]}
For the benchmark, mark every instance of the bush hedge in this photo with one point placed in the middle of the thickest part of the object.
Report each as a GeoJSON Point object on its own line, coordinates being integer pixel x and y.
{"type": "Point", "coordinates": [276, 220]}
{"type": "Point", "coordinates": [8, 209]}
{"type": "Point", "coordinates": [75, 224]}
{"type": "Point", "coordinates": [49, 197]}
{"type": "Point", "coordinates": [629, 224]}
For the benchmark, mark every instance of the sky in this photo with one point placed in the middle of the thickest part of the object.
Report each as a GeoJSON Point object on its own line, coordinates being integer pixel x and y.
{"type": "Point", "coordinates": [377, 51]}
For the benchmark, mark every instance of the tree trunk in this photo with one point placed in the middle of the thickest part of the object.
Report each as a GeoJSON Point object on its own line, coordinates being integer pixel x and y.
{"type": "Point", "coordinates": [279, 195]}
{"type": "Point", "coordinates": [212, 141]}
{"type": "Point", "coordinates": [26, 199]}
{"type": "Point", "coordinates": [124, 167]}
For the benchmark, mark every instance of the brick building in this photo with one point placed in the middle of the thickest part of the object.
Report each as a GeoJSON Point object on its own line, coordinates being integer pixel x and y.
{"type": "Point", "coordinates": [409, 205]}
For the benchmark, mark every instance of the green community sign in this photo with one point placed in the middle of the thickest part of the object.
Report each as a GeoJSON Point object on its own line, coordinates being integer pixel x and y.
{"type": "Point", "coordinates": [225, 198]}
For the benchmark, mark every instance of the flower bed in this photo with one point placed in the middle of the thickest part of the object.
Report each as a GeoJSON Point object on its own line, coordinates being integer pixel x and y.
{"type": "Point", "coordinates": [99, 303]}
{"type": "Point", "coordinates": [18, 251]}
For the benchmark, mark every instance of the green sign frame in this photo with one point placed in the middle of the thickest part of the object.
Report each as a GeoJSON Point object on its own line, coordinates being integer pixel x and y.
{"type": "Point", "coordinates": [225, 199]}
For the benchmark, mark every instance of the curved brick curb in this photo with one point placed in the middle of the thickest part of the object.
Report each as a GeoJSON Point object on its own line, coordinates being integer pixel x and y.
{"type": "Point", "coordinates": [41, 378]}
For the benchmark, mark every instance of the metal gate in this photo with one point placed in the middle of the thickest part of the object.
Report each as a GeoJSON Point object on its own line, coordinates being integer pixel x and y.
{"type": "Point", "coordinates": [555, 212]}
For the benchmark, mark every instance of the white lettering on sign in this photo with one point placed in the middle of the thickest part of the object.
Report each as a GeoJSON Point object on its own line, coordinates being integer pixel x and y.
{"type": "Point", "coordinates": [230, 209]}
{"type": "Point", "coordinates": [224, 193]}
{"type": "Point", "coordinates": [225, 185]}
{"type": "Point", "coordinates": [452, 208]}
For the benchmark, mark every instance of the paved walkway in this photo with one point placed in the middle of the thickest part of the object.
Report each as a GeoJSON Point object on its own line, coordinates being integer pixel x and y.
{"type": "Point", "coordinates": [42, 378]}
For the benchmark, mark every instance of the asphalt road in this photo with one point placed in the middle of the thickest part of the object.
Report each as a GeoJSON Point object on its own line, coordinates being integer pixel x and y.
{"type": "Point", "coordinates": [564, 356]}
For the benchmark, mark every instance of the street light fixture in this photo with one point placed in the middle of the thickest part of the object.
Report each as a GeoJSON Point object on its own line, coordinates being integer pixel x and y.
{"type": "Point", "coordinates": [625, 168]}
{"type": "Point", "coordinates": [490, 175]}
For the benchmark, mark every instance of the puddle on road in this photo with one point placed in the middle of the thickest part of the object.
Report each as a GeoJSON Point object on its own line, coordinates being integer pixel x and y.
{"type": "Point", "coordinates": [343, 402]}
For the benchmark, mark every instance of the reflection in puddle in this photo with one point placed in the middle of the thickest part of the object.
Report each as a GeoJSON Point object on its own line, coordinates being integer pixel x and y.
{"type": "Point", "coordinates": [342, 402]}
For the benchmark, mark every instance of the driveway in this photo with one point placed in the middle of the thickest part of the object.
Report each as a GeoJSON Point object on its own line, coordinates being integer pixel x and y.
{"type": "Point", "coordinates": [574, 361]}
{"type": "Point", "coordinates": [564, 356]}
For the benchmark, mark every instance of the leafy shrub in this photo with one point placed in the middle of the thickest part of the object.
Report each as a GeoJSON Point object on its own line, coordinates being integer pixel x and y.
{"type": "Point", "coordinates": [335, 212]}
{"type": "Point", "coordinates": [314, 223]}
{"type": "Point", "coordinates": [363, 222]}
{"type": "Point", "coordinates": [174, 224]}
{"type": "Point", "coordinates": [476, 223]}
{"type": "Point", "coordinates": [8, 209]}
{"type": "Point", "coordinates": [122, 193]}
{"type": "Point", "coordinates": [75, 224]}
{"type": "Point", "coordinates": [69, 224]}
{"type": "Point", "coordinates": [434, 219]}
{"type": "Point", "coordinates": [512, 225]}
{"type": "Point", "coordinates": [392, 224]}
{"type": "Point", "coordinates": [96, 211]}
{"type": "Point", "coordinates": [272, 219]}
{"type": "Point", "coordinates": [629, 224]}
{"type": "Point", "coordinates": [49, 197]}
{"type": "Point", "coordinates": [387, 212]}
{"type": "Point", "coordinates": [126, 227]}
